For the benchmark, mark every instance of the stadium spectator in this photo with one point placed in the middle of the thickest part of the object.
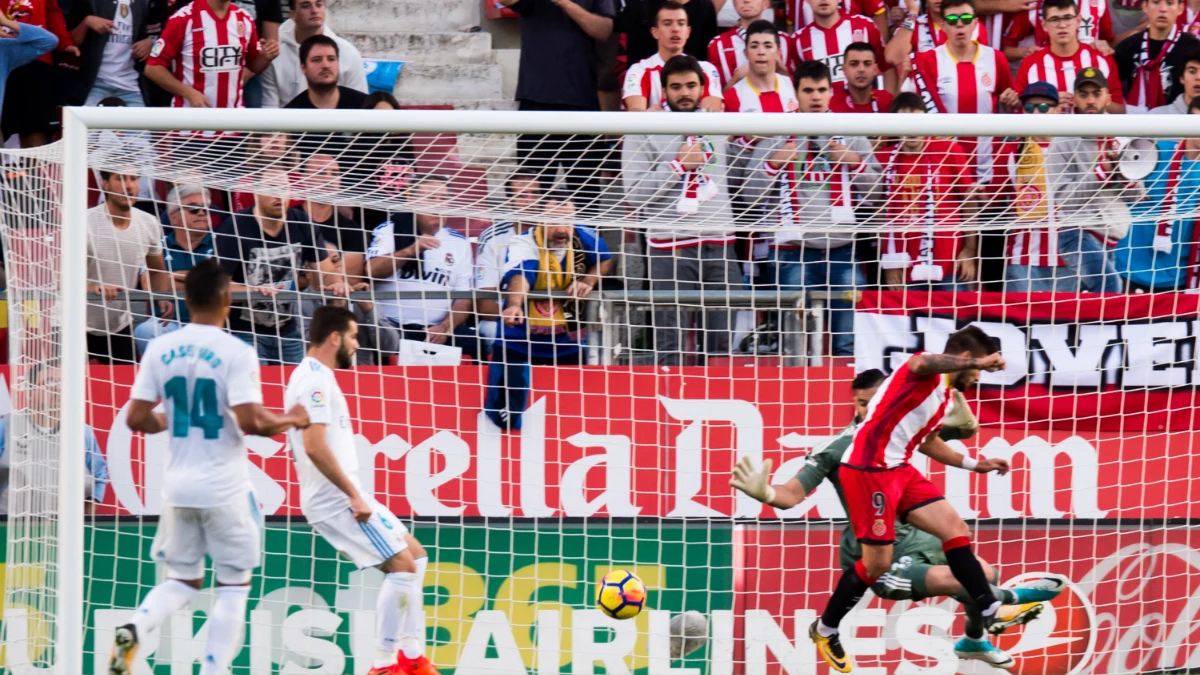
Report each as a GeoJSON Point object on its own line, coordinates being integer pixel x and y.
{"type": "Point", "coordinates": [269, 150]}
{"type": "Point", "coordinates": [553, 257]}
{"type": "Point", "coordinates": [927, 191]}
{"type": "Point", "coordinates": [1188, 81]}
{"type": "Point", "coordinates": [113, 39]}
{"type": "Point", "coordinates": [336, 224]}
{"type": "Point", "coordinates": [267, 16]}
{"type": "Point", "coordinates": [963, 76]}
{"type": "Point", "coordinates": [923, 32]}
{"type": "Point", "coordinates": [284, 80]}
{"type": "Point", "coordinates": [37, 433]}
{"type": "Point", "coordinates": [801, 13]}
{"type": "Point", "coordinates": [640, 41]}
{"type": "Point", "coordinates": [1092, 96]}
{"type": "Point", "coordinates": [557, 72]}
{"type": "Point", "coordinates": [643, 84]}
{"type": "Point", "coordinates": [32, 95]}
{"type": "Point", "coordinates": [269, 248]}
{"type": "Point", "coordinates": [1189, 18]}
{"type": "Point", "coordinates": [857, 93]}
{"type": "Point", "coordinates": [763, 89]}
{"type": "Point", "coordinates": [20, 43]}
{"type": "Point", "coordinates": [1066, 187]}
{"type": "Point", "coordinates": [680, 181]}
{"type": "Point", "coordinates": [224, 37]}
{"type": "Point", "coordinates": [188, 241]}
{"type": "Point", "coordinates": [1149, 61]}
{"type": "Point", "coordinates": [809, 186]}
{"type": "Point", "coordinates": [121, 241]}
{"type": "Point", "coordinates": [727, 51]}
{"type": "Point", "coordinates": [1160, 251]}
{"type": "Point", "coordinates": [1027, 32]}
{"type": "Point", "coordinates": [374, 343]}
{"type": "Point", "coordinates": [524, 190]}
{"type": "Point", "coordinates": [439, 260]}
{"type": "Point", "coordinates": [826, 39]}
{"type": "Point", "coordinates": [380, 165]}
{"type": "Point", "coordinates": [319, 64]}
{"type": "Point", "coordinates": [1064, 56]}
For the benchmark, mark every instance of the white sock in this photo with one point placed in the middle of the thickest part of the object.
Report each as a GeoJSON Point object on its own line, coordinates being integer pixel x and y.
{"type": "Point", "coordinates": [165, 598]}
{"type": "Point", "coordinates": [412, 628]}
{"type": "Point", "coordinates": [225, 624]}
{"type": "Point", "coordinates": [389, 614]}
{"type": "Point", "coordinates": [825, 631]}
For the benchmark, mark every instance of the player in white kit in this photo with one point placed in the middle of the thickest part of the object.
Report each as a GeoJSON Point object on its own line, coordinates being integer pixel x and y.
{"type": "Point", "coordinates": [208, 383]}
{"type": "Point", "coordinates": [335, 505]}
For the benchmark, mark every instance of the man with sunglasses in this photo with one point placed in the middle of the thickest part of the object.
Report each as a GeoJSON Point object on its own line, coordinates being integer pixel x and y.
{"type": "Point", "coordinates": [1148, 61]}
{"type": "Point", "coordinates": [187, 242]}
{"type": "Point", "coordinates": [1064, 56]}
{"type": "Point", "coordinates": [923, 32]}
{"type": "Point", "coordinates": [963, 76]}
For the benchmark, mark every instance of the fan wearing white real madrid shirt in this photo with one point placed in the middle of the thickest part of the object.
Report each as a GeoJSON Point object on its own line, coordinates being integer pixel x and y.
{"type": "Point", "coordinates": [440, 259]}
{"type": "Point", "coordinates": [332, 500]}
{"type": "Point", "coordinates": [208, 383]}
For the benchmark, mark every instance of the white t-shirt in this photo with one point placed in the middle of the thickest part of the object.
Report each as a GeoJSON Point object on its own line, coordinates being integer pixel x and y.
{"type": "Point", "coordinates": [116, 66]}
{"type": "Point", "coordinates": [116, 257]}
{"type": "Point", "coordinates": [201, 373]}
{"type": "Point", "coordinates": [314, 386]}
{"type": "Point", "coordinates": [449, 267]}
{"type": "Point", "coordinates": [493, 249]}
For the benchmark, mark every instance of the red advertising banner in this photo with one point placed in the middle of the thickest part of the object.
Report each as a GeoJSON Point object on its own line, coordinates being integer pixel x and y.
{"type": "Point", "coordinates": [642, 441]}
{"type": "Point", "coordinates": [1114, 363]}
{"type": "Point", "coordinates": [1130, 607]}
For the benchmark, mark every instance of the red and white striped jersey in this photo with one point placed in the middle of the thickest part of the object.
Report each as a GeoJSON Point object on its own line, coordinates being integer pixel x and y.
{"type": "Point", "coordinates": [928, 36]}
{"type": "Point", "coordinates": [840, 101]}
{"type": "Point", "coordinates": [644, 78]}
{"type": "Point", "coordinates": [814, 43]}
{"type": "Point", "coordinates": [727, 51]}
{"type": "Point", "coordinates": [1189, 20]}
{"type": "Point", "coordinates": [1060, 71]}
{"type": "Point", "coordinates": [743, 97]}
{"type": "Point", "coordinates": [800, 13]}
{"type": "Point", "coordinates": [969, 87]}
{"type": "Point", "coordinates": [907, 409]}
{"type": "Point", "coordinates": [207, 53]}
{"type": "Point", "coordinates": [1095, 23]}
{"type": "Point", "coordinates": [994, 27]}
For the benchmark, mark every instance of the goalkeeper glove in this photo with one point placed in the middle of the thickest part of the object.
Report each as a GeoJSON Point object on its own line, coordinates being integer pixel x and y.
{"type": "Point", "coordinates": [961, 421]}
{"type": "Point", "coordinates": [757, 484]}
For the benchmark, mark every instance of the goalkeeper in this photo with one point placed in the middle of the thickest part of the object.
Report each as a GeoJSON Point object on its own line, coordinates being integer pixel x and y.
{"type": "Point", "coordinates": [919, 569]}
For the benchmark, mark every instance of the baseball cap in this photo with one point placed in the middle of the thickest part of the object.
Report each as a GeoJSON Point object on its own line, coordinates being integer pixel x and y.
{"type": "Point", "coordinates": [1040, 90]}
{"type": "Point", "coordinates": [1090, 76]}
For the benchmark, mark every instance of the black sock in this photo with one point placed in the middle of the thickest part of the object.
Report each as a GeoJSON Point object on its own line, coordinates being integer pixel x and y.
{"type": "Point", "coordinates": [846, 595]}
{"type": "Point", "coordinates": [969, 572]}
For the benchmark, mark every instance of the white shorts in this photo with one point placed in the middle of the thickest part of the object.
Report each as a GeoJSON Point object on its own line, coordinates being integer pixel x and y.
{"type": "Point", "coordinates": [232, 535]}
{"type": "Point", "coordinates": [367, 544]}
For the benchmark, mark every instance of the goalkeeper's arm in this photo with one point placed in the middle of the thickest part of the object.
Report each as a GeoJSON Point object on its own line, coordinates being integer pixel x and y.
{"type": "Point", "coordinates": [757, 484]}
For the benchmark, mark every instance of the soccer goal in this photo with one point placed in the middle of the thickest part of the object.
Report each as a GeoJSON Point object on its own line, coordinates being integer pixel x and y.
{"type": "Point", "coordinates": [598, 316]}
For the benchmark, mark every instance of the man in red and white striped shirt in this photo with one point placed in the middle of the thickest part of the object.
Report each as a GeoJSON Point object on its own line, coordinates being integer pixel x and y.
{"type": "Point", "coordinates": [963, 76]}
{"type": "Point", "coordinates": [1061, 60]}
{"type": "Point", "coordinates": [200, 55]}
{"type": "Point", "coordinates": [826, 39]}
{"type": "Point", "coordinates": [1027, 32]}
{"type": "Point", "coordinates": [800, 12]}
{"type": "Point", "coordinates": [923, 32]}
{"type": "Point", "coordinates": [763, 89]}
{"type": "Point", "coordinates": [727, 51]}
{"type": "Point", "coordinates": [857, 94]}
{"type": "Point", "coordinates": [643, 80]}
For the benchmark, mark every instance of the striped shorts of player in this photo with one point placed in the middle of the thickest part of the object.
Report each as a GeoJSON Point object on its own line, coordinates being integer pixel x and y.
{"type": "Point", "coordinates": [368, 544]}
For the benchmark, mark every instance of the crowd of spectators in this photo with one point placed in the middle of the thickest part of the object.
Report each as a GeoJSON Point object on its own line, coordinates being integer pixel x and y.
{"type": "Point", "coordinates": [804, 200]}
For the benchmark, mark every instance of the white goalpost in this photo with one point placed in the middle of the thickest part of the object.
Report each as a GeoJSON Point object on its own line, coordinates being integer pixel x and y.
{"type": "Point", "coordinates": [621, 458]}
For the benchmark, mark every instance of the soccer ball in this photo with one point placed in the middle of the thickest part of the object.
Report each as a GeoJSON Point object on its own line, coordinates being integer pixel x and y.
{"type": "Point", "coordinates": [621, 595]}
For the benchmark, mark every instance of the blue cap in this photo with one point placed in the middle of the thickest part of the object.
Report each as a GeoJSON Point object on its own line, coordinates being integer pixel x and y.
{"type": "Point", "coordinates": [1040, 90]}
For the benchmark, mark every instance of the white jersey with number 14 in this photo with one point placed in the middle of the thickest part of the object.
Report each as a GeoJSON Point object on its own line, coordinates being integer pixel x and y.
{"type": "Point", "coordinates": [200, 373]}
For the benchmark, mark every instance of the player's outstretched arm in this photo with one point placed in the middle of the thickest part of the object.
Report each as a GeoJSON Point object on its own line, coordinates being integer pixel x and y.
{"type": "Point", "coordinates": [935, 448]}
{"type": "Point", "coordinates": [757, 484]}
{"type": "Point", "coordinates": [322, 457]}
{"type": "Point", "coordinates": [141, 417]}
{"type": "Point", "coordinates": [936, 364]}
{"type": "Point", "coordinates": [256, 420]}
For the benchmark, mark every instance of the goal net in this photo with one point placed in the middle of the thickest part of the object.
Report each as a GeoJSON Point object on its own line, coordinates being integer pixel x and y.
{"type": "Point", "coordinates": [571, 329]}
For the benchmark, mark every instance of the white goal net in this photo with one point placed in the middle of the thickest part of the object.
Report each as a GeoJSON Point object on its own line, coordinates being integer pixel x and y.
{"type": "Point", "coordinates": [571, 330]}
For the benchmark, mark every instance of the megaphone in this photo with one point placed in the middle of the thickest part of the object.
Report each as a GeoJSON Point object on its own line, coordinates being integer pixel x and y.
{"type": "Point", "coordinates": [1136, 157]}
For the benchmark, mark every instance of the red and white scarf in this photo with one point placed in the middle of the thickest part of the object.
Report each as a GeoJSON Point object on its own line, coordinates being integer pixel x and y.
{"type": "Point", "coordinates": [815, 169]}
{"type": "Point", "coordinates": [698, 186]}
{"type": "Point", "coordinates": [925, 267]}
{"type": "Point", "coordinates": [1149, 87]}
{"type": "Point", "coordinates": [1189, 20]}
{"type": "Point", "coordinates": [929, 94]}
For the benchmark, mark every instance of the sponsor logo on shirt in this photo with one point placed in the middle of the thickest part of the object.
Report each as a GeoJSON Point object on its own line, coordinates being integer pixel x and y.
{"type": "Point", "coordinates": [221, 58]}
